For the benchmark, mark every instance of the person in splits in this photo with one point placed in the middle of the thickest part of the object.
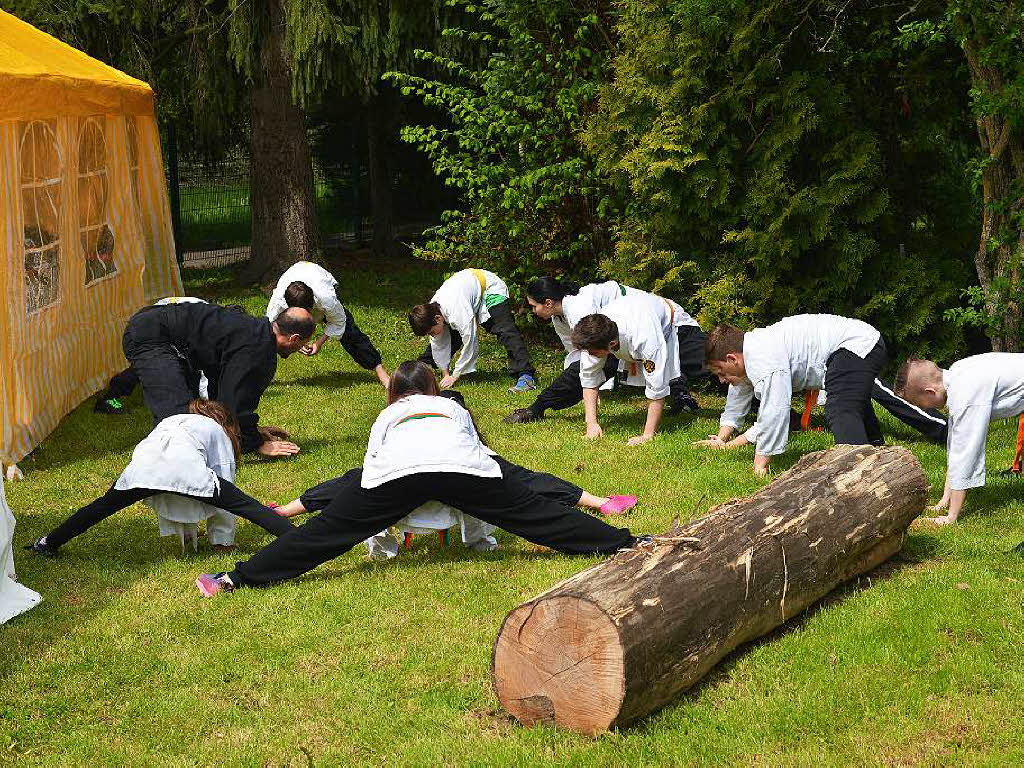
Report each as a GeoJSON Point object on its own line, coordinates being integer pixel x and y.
{"type": "Point", "coordinates": [311, 287]}
{"type": "Point", "coordinates": [422, 448]}
{"type": "Point", "coordinates": [653, 336]}
{"type": "Point", "coordinates": [838, 354]}
{"type": "Point", "coordinates": [168, 346]}
{"type": "Point", "coordinates": [740, 398]}
{"type": "Point", "coordinates": [450, 318]}
{"type": "Point", "coordinates": [976, 391]}
{"type": "Point", "coordinates": [122, 384]}
{"type": "Point", "coordinates": [183, 470]}
{"type": "Point", "coordinates": [565, 304]}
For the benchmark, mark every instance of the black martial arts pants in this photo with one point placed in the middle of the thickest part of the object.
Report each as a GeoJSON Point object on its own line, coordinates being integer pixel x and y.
{"type": "Point", "coordinates": [849, 381]}
{"type": "Point", "coordinates": [549, 486]}
{"type": "Point", "coordinates": [357, 513]}
{"type": "Point", "coordinates": [567, 390]}
{"type": "Point", "coordinates": [168, 380]}
{"type": "Point", "coordinates": [228, 497]}
{"type": "Point", "coordinates": [929, 422]}
{"type": "Point", "coordinates": [692, 365]}
{"type": "Point", "coordinates": [358, 344]}
{"type": "Point", "coordinates": [504, 328]}
{"type": "Point", "coordinates": [121, 384]}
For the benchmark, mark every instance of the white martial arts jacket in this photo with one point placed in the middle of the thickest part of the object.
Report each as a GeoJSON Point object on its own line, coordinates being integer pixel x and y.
{"type": "Point", "coordinates": [790, 356]}
{"type": "Point", "coordinates": [464, 299]}
{"type": "Point", "coordinates": [187, 453]}
{"type": "Point", "coordinates": [979, 389]}
{"type": "Point", "coordinates": [420, 433]}
{"type": "Point", "coordinates": [326, 307]}
{"type": "Point", "coordinates": [15, 598]}
{"type": "Point", "coordinates": [738, 401]}
{"type": "Point", "coordinates": [647, 342]}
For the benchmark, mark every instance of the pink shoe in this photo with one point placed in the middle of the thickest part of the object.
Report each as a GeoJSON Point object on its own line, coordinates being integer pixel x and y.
{"type": "Point", "coordinates": [212, 583]}
{"type": "Point", "coordinates": [616, 505]}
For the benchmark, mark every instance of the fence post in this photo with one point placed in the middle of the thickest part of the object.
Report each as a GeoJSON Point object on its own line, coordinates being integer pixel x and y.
{"type": "Point", "coordinates": [357, 212]}
{"type": "Point", "coordinates": [173, 183]}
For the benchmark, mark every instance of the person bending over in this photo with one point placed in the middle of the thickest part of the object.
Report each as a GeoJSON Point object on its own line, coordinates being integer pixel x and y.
{"type": "Point", "coordinates": [653, 336]}
{"type": "Point", "coordinates": [976, 391]}
{"type": "Point", "coordinates": [189, 459]}
{"type": "Point", "coordinates": [311, 287]}
{"type": "Point", "coordinates": [168, 346]}
{"type": "Point", "coordinates": [838, 354]}
{"type": "Point", "coordinates": [450, 318]}
{"type": "Point", "coordinates": [422, 447]}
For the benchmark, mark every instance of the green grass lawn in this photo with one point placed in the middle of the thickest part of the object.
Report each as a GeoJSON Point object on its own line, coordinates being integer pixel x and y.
{"type": "Point", "coordinates": [366, 663]}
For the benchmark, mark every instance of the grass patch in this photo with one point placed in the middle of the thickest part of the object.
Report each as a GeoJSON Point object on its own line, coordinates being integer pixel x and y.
{"type": "Point", "coordinates": [364, 663]}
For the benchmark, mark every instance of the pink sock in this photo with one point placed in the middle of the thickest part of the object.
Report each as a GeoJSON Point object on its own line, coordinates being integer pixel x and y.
{"type": "Point", "coordinates": [616, 505]}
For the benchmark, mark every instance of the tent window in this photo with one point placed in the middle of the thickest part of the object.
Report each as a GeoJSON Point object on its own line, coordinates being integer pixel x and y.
{"type": "Point", "coordinates": [42, 170]}
{"type": "Point", "coordinates": [133, 157]}
{"type": "Point", "coordinates": [93, 191]}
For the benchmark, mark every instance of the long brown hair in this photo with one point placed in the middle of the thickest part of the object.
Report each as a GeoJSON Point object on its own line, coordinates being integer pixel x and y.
{"type": "Point", "coordinates": [217, 411]}
{"type": "Point", "coordinates": [412, 378]}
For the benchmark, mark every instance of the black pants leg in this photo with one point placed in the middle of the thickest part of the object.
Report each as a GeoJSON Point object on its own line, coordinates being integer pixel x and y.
{"type": "Point", "coordinates": [358, 513]}
{"type": "Point", "coordinates": [122, 384]}
{"type": "Point", "coordinates": [228, 497]}
{"type": "Point", "coordinates": [319, 496]}
{"type": "Point", "coordinates": [551, 487]}
{"type": "Point", "coordinates": [929, 422]}
{"type": "Point", "coordinates": [167, 382]}
{"type": "Point", "coordinates": [692, 343]}
{"type": "Point", "coordinates": [849, 381]}
{"type": "Point", "coordinates": [428, 356]}
{"type": "Point", "coordinates": [503, 326]}
{"type": "Point", "coordinates": [566, 390]}
{"type": "Point", "coordinates": [358, 344]}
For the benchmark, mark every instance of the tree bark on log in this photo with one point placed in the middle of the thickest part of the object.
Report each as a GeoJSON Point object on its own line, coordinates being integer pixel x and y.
{"type": "Point", "coordinates": [623, 638]}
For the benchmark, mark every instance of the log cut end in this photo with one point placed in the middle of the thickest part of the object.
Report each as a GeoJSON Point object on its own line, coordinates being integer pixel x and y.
{"type": "Point", "coordinates": [560, 660]}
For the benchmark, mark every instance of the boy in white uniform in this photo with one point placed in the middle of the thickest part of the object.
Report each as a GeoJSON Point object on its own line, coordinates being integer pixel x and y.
{"type": "Point", "coordinates": [310, 286]}
{"type": "Point", "coordinates": [652, 335]}
{"type": "Point", "coordinates": [450, 318]}
{"type": "Point", "coordinates": [838, 354]}
{"type": "Point", "coordinates": [975, 390]}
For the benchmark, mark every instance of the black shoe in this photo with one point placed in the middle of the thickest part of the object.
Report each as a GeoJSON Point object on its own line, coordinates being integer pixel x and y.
{"type": "Point", "coordinates": [111, 406]}
{"type": "Point", "coordinates": [521, 416]}
{"type": "Point", "coordinates": [683, 404]}
{"type": "Point", "coordinates": [40, 547]}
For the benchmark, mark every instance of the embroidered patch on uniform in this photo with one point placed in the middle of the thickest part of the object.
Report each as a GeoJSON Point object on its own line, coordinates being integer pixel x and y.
{"type": "Point", "coordinates": [649, 366]}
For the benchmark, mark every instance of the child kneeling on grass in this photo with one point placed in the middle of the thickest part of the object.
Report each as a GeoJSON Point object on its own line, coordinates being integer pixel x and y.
{"type": "Point", "coordinates": [189, 459]}
{"type": "Point", "coordinates": [422, 448]}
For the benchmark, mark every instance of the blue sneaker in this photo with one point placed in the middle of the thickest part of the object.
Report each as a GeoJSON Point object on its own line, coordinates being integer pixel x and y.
{"type": "Point", "coordinates": [525, 384]}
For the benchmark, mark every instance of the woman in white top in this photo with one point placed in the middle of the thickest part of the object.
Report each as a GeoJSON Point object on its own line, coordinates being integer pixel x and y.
{"type": "Point", "coordinates": [450, 318]}
{"type": "Point", "coordinates": [181, 456]}
{"type": "Point", "coordinates": [422, 447]}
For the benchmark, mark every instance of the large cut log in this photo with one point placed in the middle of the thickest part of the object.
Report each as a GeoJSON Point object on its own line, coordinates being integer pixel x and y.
{"type": "Point", "coordinates": [621, 639]}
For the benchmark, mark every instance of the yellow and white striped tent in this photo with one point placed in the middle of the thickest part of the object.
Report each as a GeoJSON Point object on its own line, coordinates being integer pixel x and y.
{"type": "Point", "coordinates": [85, 227]}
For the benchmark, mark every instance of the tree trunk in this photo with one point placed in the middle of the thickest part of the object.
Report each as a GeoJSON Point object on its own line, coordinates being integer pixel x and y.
{"type": "Point", "coordinates": [380, 126]}
{"type": "Point", "coordinates": [281, 195]}
{"type": "Point", "coordinates": [1001, 242]}
{"type": "Point", "coordinates": [621, 639]}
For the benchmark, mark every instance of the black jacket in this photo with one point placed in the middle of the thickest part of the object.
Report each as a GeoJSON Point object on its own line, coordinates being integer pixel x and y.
{"type": "Point", "coordinates": [237, 352]}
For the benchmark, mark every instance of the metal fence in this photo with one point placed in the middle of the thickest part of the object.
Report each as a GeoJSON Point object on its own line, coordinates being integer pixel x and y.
{"type": "Point", "coordinates": [210, 204]}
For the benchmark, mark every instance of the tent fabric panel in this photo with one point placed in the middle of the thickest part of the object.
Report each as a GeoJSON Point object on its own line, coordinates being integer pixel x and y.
{"type": "Point", "coordinates": [47, 96]}
{"type": "Point", "coordinates": [161, 277]}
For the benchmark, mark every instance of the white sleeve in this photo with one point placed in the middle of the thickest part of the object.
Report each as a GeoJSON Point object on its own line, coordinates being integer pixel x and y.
{"type": "Point", "coordinates": [275, 306]}
{"type": "Point", "coordinates": [591, 370]}
{"type": "Point", "coordinates": [377, 432]}
{"type": "Point", "coordinates": [466, 421]}
{"type": "Point", "coordinates": [751, 434]}
{"type": "Point", "coordinates": [564, 333]}
{"type": "Point", "coordinates": [441, 349]}
{"type": "Point", "coordinates": [657, 379]}
{"type": "Point", "coordinates": [965, 447]}
{"type": "Point", "coordinates": [737, 405]}
{"type": "Point", "coordinates": [465, 324]}
{"type": "Point", "coordinates": [334, 315]}
{"type": "Point", "coordinates": [776, 392]}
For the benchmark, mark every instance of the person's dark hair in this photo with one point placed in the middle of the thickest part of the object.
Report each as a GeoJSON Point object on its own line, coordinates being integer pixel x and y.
{"type": "Point", "coordinates": [421, 317]}
{"type": "Point", "coordinates": [723, 340]}
{"type": "Point", "coordinates": [212, 409]}
{"type": "Point", "coordinates": [412, 377]}
{"type": "Point", "coordinates": [295, 320]}
{"type": "Point", "coordinates": [594, 332]}
{"type": "Point", "coordinates": [298, 294]}
{"type": "Point", "coordinates": [548, 287]}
